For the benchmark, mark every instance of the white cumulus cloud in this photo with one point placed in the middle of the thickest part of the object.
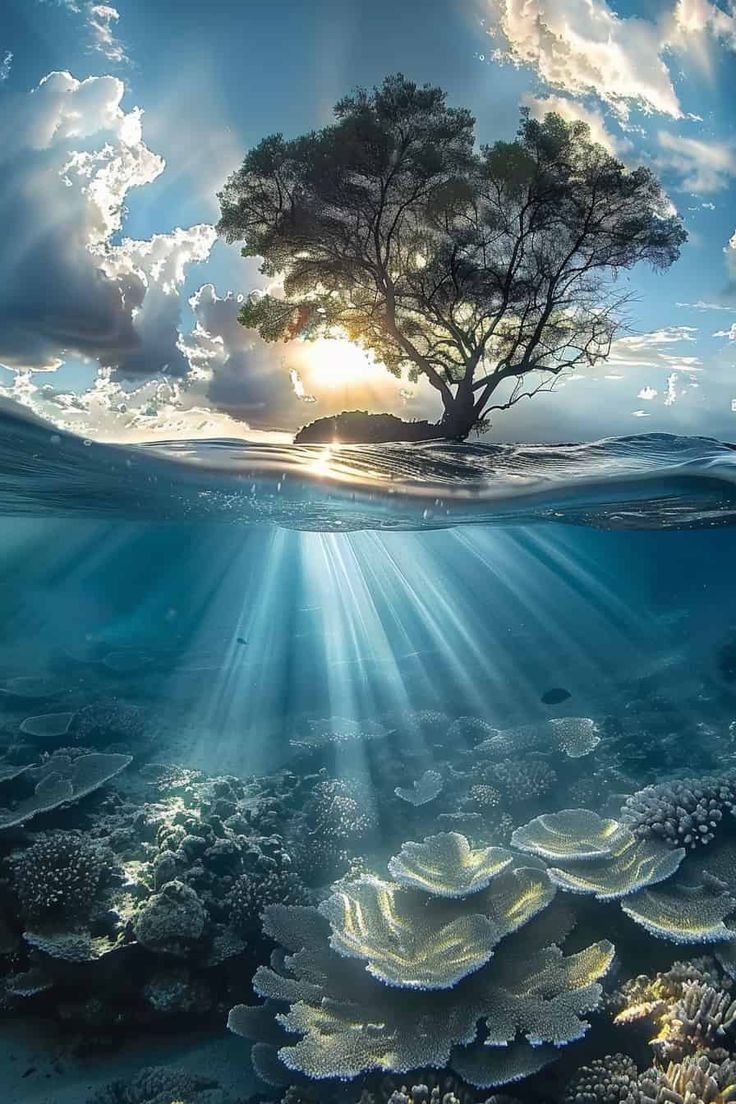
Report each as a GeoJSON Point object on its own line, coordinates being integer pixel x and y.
{"type": "Point", "coordinates": [70, 156]}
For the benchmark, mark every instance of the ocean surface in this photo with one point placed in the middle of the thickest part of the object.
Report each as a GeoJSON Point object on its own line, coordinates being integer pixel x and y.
{"type": "Point", "coordinates": [235, 678]}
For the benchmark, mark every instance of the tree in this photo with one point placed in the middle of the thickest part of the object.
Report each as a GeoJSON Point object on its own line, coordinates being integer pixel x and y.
{"type": "Point", "coordinates": [489, 271]}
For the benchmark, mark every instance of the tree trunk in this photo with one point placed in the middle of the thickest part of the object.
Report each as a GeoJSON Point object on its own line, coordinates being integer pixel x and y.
{"type": "Point", "coordinates": [459, 416]}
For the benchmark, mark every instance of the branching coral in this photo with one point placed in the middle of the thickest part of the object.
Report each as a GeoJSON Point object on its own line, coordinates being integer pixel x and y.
{"type": "Point", "coordinates": [695, 1080]}
{"type": "Point", "coordinates": [59, 876]}
{"type": "Point", "coordinates": [162, 1085]}
{"type": "Point", "coordinates": [690, 1007]}
{"type": "Point", "coordinates": [610, 1080]}
{"type": "Point", "coordinates": [683, 813]}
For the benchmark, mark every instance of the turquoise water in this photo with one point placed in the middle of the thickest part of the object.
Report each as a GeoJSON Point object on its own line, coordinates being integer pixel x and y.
{"type": "Point", "coordinates": [218, 666]}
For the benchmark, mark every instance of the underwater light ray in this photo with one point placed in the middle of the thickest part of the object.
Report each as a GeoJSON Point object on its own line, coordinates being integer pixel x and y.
{"type": "Point", "coordinates": [427, 596]}
{"type": "Point", "coordinates": [363, 679]}
{"type": "Point", "coordinates": [255, 611]}
{"type": "Point", "coordinates": [556, 598]}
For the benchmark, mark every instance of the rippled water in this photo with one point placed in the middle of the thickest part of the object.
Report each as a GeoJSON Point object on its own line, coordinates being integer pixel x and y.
{"type": "Point", "coordinates": [297, 659]}
{"type": "Point", "coordinates": [647, 481]}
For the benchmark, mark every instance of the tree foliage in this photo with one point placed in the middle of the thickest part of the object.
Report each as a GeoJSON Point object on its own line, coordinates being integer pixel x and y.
{"type": "Point", "coordinates": [487, 271]}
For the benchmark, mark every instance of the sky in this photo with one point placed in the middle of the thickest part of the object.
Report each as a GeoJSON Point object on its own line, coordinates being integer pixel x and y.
{"type": "Point", "coordinates": [118, 125]}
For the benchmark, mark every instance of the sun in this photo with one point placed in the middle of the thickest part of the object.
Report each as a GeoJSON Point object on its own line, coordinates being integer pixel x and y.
{"type": "Point", "coordinates": [334, 363]}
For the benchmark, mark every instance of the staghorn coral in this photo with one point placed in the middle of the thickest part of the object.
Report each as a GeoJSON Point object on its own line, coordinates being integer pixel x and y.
{"type": "Point", "coordinates": [61, 875]}
{"type": "Point", "coordinates": [350, 1019]}
{"type": "Point", "coordinates": [446, 865]}
{"type": "Point", "coordinates": [698, 1021]}
{"type": "Point", "coordinates": [637, 997]}
{"type": "Point", "coordinates": [684, 813]}
{"type": "Point", "coordinates": [613, 1079]}
{"type": "Point", "coordinates": [690, 1007]}
{"type": "Point", "coordinates": [601, 857]}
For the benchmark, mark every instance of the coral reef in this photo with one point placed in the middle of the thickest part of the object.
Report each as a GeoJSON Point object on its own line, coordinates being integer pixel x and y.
{"type": "Point", "coordinates": [389, 978]}
{"type": "Point", "coordinates": [162, 1085]}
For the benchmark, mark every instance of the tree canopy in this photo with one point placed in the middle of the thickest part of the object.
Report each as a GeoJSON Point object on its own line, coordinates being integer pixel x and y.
{"type": "Point", "coordinates": [489, 271]}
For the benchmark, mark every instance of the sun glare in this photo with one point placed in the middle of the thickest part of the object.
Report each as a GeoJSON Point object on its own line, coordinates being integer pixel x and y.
{"type": "Point", "coordinates": [335, 363]}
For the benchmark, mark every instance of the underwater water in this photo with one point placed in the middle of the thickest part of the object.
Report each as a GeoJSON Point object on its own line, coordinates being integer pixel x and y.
{"type": "Point", "coordinates": [293, 714]}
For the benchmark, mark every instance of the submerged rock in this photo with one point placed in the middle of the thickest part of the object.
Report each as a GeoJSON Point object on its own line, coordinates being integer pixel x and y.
{"type": "Point", "coordinates": [171, 921]}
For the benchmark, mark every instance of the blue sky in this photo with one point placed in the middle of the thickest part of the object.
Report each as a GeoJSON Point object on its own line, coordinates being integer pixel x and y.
{"type": "Point", "coordinates": [119, 125]}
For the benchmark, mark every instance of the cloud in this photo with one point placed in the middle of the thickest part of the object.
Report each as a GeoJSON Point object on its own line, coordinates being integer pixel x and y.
{"type": "Point", "coordinates": [729, 333]}
{"type": "Point", "coordinates": [5, 65]}
{"type": "Point", "coordinates": [584, 47]}
{"type": "Point", "coordinates": [703, 305]}
{"type": "Point", "coordinates": [730, 252]}
{"type": "Point", "coordinates": [654, 350]}
{"type": "Point", "coordinates": [70, 155]}
{"type": "Point", "coordinates": [570, 110]}
{"type": "Point", "coordinates": [100, 21]}
{"type": "Point", "coordinates": [286, 385]}
{"type": "Point", "coordinates": [701, 166]}
{"type": "Point", "coordinates": [156, 409]}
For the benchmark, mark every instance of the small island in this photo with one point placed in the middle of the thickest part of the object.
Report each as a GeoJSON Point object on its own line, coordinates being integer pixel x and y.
{"type": "Point", "coordinates": [359, 427]}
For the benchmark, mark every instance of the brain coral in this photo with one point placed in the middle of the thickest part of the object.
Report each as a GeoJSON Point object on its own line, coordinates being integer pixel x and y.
{"type": "Point", "coordinates": [428, 986]}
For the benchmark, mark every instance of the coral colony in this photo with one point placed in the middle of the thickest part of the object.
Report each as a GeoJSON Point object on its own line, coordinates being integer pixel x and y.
{"type": "Point", "coordinates": [520, 914]}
